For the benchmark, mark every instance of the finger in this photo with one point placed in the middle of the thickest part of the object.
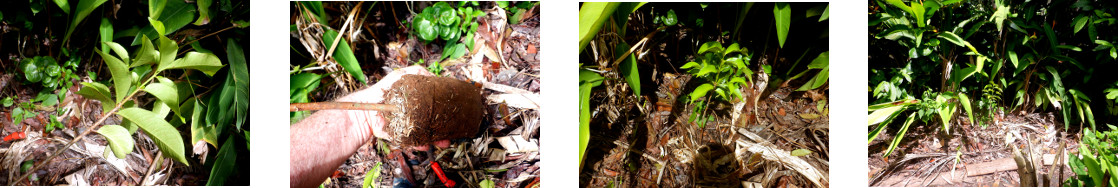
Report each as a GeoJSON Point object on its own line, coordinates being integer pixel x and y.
{"type": "Point", "coordinates": [442, 143]}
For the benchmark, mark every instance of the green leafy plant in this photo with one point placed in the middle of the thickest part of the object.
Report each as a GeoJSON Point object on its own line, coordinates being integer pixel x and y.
{"type": "Point", "coordinates": [371, 176]}
{"type": "Point", "coordinates": [1097, 162]}
{"type": "Point", "coordinates": [592, 16]}
{"type": "Point", "coordinates": [158, 70]}
{"type": "Point", "coordinates": [723, 70]}
{"type": "Point", "coordinates": [449, 23]}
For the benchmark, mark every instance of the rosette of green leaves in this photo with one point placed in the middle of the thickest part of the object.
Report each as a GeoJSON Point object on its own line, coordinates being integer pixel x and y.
{"type": "Point", "coordinates": [439, 21]}
{"type": "Point", "coordinates": [724, 71]}
{"type": "Point", "coordinates": [443, 21]}
{"type": "Point", "coordinates": [47, 71]}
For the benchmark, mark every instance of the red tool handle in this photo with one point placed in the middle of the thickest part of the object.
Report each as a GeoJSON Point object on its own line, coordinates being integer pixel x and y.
{"type": "Point", "coordinates": [439, 171]}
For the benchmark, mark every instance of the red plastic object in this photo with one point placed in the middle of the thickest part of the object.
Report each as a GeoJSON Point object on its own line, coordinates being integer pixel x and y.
{"type": "Point", "coordinates": [15, 136]}
{"type": "Point", "coordinates": [439, 171]}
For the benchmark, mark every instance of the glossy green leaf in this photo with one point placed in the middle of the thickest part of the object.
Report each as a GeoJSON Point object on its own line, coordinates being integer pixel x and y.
{"type": "Point", "coordinates": [155, 7]}
{"type": "Point", "coordinates": [238, 74]}
{"type": "Point", "coordinates": [701, 91]}
{"type": "Point", "coordinates": [712, 47]}
{"type": "Point", "coordinates": [821, 61]}
{"type": "Point", "coordinates": [951, 37]}
{"type": "Point", "coordinates": [119, 140]}
{"type": "Point", "coordinates": [918, 12]}
{"type": "Point", "coordinates": [64, 5]}
{"type": "Point", "coordinates": [447, 15]}
{"type": "Point", "coordinates": [1000, 14]}
{"type": "Point", "coordinates": [106, 31]}
{"type": "Point", "coordinates": [1079, 23]}
{"type": "Point", "coordinates": [629, 68]}
{"type": "Point", "coordinates": [158, 26]}
{"type": "Point", "coordinates": [587, 81]}
{"type": "Point", "coordinates": [199, 130]}
{"type": "Point", "coordinates": [945, 112]}
{"type": "Point", "coordinates": [344, 55]}
{"type": "Point", "coordinates": [122, 78]}
{"type": "Point", "coordinates": [689, 65]}
{"type": "Point", "coordinates": [176, 15]}
{"type": "Point", "coordinates": [965, 101]}
{"type": "Point", "coordinates": [225, 163]}
{"type": "Point", "coordinates": [120, 52]}
{"type": "Point", "coordinates": [735, 47]}
{"type": "Point", "coordinates": [165, 91]}
{"type": "Point", "coordinates": [826, 14]}
{"type": "Point", "coordinates": [591, 17]}
{"type": "Point", "coordinates": [424, 27]}
{"type": "Point", "coordinates": [164, 135]}
{"type": "Point", "coordinates": [816, 81]}
{"type": "Point", "coordinates": [82, 10]}
{"type": "Point", "coordinates": [900, 135]}
{"type": "Point", "coordinates": [782, 12]}
{"type": "Point", "coordinates": [670, 18]}
{"type": "Point", "coordinates": [208, 63]}
{"type": "Point", "coordinates": [879, 116]}
{"type": "Point", "coordinates": [203, 12]}
{"type": "Point", "coordinates": [147, 54]}
{"type": "Point", "coordinates": [1069, 47]}
{"type": "Point", "coordinates": [31, 70]}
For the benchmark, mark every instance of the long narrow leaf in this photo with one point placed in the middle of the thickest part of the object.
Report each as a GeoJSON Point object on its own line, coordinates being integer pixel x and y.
{"type": "Point", "coordinates": [782, 12]}
{"type": "Point", "coordinates": [344, 55]}
{"type": "Point", "coordinates": [900, 135]}
{"type": "Point", "coordinates": [591, 16]}
{"type": "Point", "coordinates": [83, 9]}
{"type": "Point", "coordinates": [225, 164]}
{"type": "Point", "coordinates": [238, 74]}
{"type": "Point", "coordinates": [629, 68]}
{"type": "Point", "coordinates": [965, 101]}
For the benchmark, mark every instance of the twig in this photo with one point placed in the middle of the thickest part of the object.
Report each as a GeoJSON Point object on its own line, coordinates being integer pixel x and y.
{"type": "Point", "coordinates": [342, 106]}
{"type": "Point", "coordinates": [345, 26]}
{"type": "Point", "coordinates": [151, 167]}
{"type": "Point", "coordinates": [205, 36]}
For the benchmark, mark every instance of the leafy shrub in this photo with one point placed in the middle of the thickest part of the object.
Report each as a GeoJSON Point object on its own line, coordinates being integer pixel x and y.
{"type": "Point", "coordinates": [1099, 161]}
{"type": "Point", "coordinates": [1009, 55]}
{"type": "Point", "coordinates": [723, 70]}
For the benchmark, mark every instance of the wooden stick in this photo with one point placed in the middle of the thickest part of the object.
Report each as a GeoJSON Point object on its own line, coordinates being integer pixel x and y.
{"type": "Point", "coordinates": [342, 106]}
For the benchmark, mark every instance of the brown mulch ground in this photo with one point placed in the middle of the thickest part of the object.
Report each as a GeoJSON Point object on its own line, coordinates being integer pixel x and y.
{"type": "Point", "coordinates": [661, 148]}
{"type": "Point", "coordinates": [986, 157]}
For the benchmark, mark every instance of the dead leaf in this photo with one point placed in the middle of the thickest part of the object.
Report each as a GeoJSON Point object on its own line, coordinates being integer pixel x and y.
{"type": "Point", "coordinates": [809, 116]}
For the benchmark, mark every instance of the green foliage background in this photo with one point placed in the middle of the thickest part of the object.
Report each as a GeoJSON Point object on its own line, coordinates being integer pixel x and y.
{"type": "Point", "coordinates": [929, 58]}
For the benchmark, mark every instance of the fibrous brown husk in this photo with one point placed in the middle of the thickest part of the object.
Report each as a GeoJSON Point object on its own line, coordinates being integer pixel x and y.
{"type": "Point", "coordinates": [433, 108]}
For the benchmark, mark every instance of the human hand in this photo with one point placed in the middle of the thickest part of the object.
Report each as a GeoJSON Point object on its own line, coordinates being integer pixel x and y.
{"type": "Point", "coordinates": [373, 121]}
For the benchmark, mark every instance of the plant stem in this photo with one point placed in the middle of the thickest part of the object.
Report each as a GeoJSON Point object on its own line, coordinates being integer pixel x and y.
{"type": "Point", "coordinates": [342, 106]}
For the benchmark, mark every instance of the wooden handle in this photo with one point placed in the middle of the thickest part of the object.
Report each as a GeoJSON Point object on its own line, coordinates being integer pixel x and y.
{"type": "Point", "coordinates": [342, 106]}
